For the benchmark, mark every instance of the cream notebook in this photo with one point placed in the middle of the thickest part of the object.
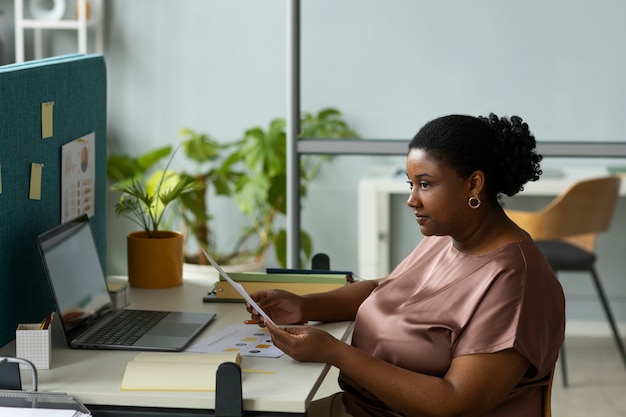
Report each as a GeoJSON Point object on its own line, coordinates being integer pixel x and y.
{"type": "Point", "coordinates": [184, 371]}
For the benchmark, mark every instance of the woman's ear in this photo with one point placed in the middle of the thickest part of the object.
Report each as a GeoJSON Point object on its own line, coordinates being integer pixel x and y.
{"type": "Point", "coordinates": [476, 182]}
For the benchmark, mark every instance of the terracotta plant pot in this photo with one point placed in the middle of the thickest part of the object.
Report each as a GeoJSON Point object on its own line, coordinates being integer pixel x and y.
{"type": "Point", "coordinates": [155, 262]}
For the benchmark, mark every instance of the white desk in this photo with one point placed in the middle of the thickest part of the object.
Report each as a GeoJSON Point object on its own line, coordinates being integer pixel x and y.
{"type": "Point", "coordinates": [374, 204]}
{"type": "Point", "coordinates": [94, 377]}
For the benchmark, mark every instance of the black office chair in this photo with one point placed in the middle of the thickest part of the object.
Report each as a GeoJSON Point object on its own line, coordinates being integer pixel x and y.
{"type": "Point", "coordinates": [566, 231]}
{"type": "Point", "coordinates": [320, 262]}
{"type": "Point", "coordinates": [228, 394]}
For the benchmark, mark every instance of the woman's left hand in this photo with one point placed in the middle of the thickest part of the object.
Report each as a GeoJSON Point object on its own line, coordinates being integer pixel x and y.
{"type": "Point", "coordinates": [303, 343]}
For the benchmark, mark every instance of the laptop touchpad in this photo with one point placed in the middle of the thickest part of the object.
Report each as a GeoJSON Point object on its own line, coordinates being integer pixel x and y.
{"type": "Point", "coordinates": [173, 329]}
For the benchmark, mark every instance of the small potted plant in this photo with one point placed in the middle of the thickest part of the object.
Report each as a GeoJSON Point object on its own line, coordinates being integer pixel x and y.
{"type": "Point", "coordinates": [155, 256]}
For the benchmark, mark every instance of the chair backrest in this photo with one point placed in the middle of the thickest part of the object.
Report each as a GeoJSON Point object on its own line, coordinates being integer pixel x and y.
{"type": "Point", "coordinates": [547, 397]}
{"type": "Point", "coordinates": [577, 215]}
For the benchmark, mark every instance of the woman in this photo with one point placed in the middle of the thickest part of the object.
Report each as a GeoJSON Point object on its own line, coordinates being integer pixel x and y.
{"type": "Point", "coordinates": [468, 324]}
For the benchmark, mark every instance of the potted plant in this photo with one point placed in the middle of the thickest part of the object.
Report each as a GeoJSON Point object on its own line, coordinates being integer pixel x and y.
{"type": "Point", "coordinates": [155, 256]}
{"type": "Point", "coordinates": [254, 172]}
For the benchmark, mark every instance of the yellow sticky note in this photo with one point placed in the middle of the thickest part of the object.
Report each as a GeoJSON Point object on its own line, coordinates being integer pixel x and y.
{"type": "Point", "coordinates": [46, 119]}
{"type": "Point", "coordinates": [35, 181]}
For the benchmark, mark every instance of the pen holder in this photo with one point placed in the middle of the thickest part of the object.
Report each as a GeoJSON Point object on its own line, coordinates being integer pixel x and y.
{"type": "Point", "coordinates": [33, 344]}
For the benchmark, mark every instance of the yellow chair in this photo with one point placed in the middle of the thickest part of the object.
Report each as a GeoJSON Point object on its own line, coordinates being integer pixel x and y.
{"type": "Point", "coordinates": [566, 231]}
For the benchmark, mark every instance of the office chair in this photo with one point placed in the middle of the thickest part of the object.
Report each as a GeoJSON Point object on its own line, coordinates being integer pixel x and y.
{"type": "Point", "coordinates": [566, 230]}
{"type": "Point", "coordinates": [547, 397]}
{"type": "Point", "coordinates": [320, 261]}
{"type": "Point", "coordinates": [228, 391]}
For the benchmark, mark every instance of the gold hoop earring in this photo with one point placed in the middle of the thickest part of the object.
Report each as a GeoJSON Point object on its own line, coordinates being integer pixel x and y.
{"type": "Point", "coordinates": [474, 202]}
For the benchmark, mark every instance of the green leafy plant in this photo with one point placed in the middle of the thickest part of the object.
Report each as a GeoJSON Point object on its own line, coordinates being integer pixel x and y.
{"type": "Point", "coordinates": [145, 198]}
{"type": "Point", "coordinates": [209, 173]}
{"type": "Point", "coordinates": [260, 191]}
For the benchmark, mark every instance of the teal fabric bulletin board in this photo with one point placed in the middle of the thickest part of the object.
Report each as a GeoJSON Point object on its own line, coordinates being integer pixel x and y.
{"type": "Point", "coordinates": [63, 98]}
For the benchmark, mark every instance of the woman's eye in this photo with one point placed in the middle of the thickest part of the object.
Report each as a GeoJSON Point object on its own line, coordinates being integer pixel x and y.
{"type": "Point", "coordinates": [410, 184]}
{"type": "Point", "coordinates": [424, 185]}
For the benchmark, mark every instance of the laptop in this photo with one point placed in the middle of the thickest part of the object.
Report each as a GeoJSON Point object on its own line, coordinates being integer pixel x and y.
{"type": "Point", "coordinates": [84, 305]}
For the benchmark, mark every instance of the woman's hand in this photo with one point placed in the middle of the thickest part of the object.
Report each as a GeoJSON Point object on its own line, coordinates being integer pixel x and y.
{"type": "Point", "coordinates": [304, 343]}
{"type": "Point", "coordinates": [283, 307]}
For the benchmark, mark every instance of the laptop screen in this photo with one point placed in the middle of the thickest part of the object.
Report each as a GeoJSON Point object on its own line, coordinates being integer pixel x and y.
{"type": "Point", "coordinates": [74, 271]}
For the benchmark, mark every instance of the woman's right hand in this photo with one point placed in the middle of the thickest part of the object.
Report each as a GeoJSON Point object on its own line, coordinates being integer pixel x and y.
{"type": "Point", "coordinates": [283, 307]}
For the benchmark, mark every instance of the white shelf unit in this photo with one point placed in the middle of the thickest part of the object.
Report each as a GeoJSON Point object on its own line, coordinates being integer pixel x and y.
{"type": "Point", "coordinates": [82, 24]}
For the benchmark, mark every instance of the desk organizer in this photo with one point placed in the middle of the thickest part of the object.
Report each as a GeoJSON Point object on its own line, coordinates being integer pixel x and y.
{"type": "Point", "coordinates": [38, 403]}
{"type": "Point", "coordinates": [33, 344]}
{"type": "Point", "coordinates": [44, 401]}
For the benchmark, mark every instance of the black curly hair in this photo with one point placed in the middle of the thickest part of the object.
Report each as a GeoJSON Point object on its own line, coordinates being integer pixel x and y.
{"type": "Point", "coordinates": [504, 149]}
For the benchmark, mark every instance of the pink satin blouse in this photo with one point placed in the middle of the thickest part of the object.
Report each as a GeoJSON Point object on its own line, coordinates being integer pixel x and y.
{"type": "Point", "coordinates": [440, 303]}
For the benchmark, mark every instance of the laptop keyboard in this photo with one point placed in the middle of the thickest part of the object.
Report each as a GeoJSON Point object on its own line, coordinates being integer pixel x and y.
{"type": "Point", "coordinates": [126, 328]}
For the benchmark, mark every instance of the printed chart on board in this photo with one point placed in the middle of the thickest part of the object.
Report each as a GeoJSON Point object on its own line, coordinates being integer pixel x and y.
{"type": "Point", "coordinates": [78, 177]}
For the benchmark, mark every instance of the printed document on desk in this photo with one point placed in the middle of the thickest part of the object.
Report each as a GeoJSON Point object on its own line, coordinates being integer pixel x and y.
{"type": "Point", "coordinates": [248, 339]}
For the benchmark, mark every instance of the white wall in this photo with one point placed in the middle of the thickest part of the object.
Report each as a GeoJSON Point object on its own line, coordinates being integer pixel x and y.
{"type": "Point", "coordinates": [6, 32]}
{"type": "Point", "coordinates": [220, 66]}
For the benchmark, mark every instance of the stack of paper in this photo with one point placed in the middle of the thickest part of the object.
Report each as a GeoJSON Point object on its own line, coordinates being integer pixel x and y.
{"type": "Point", "coordinates": [183, 371]}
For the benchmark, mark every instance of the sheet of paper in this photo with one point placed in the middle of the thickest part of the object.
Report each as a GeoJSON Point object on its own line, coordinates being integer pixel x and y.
{"type": "Point", "coordinates": [78, 177]}
{"type": "Point", "coordinates": [239, 288]}
{"type": "Point", "coordinates": [248, 339]}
